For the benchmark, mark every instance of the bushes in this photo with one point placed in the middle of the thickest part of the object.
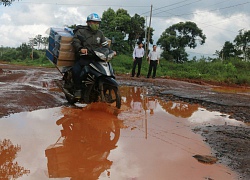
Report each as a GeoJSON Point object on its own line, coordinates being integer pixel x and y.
{"type": "Point", "coordinates": [232, 71]}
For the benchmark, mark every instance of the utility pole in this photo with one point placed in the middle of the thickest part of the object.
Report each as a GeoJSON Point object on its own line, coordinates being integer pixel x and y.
{"type": "Point", "coordinates": [149, 31]}
{"type": "Point", "coordinates": [32, 45]}
{"type": "Point", "coordinates": [1, 50]}
{"type": "Point", "coordinates": [146, 26]}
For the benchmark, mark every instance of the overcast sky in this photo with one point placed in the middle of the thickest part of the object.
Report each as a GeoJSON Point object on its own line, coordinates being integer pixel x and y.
{"type": "Point", "coordinates": [220, 20]}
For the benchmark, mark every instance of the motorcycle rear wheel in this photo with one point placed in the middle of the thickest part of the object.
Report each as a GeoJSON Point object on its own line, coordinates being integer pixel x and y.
{"type": "Point", "coordinates": [112, 95]}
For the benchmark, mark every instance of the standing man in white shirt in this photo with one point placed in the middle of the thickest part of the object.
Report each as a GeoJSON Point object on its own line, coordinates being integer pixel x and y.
{"type": "Point", "coordinates": [138, 54]}
{"type": "Point", "coordinates": [153, 60]}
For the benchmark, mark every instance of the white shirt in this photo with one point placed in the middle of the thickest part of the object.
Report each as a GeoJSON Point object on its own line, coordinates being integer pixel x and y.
{"type": "Point", "coordinates": [138, 52]}
{"type": "Point", "coordinates": [154, 56]}
{"type": "Point", "coordinates": [152, 104]}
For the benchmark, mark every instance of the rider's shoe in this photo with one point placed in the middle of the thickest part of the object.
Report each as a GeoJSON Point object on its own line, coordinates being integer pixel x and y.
{"type": "Point", "coordinates": [78, 94]}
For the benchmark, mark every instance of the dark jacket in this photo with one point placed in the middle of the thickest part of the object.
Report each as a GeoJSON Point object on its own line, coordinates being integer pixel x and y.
{"type": "Point", "coordinates": [90, 39]}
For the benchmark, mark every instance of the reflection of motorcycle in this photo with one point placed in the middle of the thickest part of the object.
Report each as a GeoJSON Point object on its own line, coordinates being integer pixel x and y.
{"type": "Point", "coordinates": [86, 145]}
{"type": "Point", "coordinates": [98, 80]}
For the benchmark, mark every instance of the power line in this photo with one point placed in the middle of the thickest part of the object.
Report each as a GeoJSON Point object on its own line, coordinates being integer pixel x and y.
{"type": "Point", "coordinates": [223, 8]}
{"type": "Point", "coordinates": [205, 11]}
{"type": "Point", "coordinates": [178, 7]}
{"type": "Point", "coordinates": [64, 4]}
{"type": "Point", "coordinates": [219, 3]}
{"type": "Point", "coordinates": [155, 9]}
{"type": "Point", "coordinates": [210, 11]}
{"type": "Point", "coordinates": [164, 7]}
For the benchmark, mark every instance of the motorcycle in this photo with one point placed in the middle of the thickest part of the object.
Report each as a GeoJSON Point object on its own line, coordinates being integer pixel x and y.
{"type": "Point", "coordinates": [98, 80]}
{"type": "Point", "coordinates": [86, 141]}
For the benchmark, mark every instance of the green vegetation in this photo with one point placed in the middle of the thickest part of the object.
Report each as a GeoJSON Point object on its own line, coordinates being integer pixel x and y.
{"type": "Point", "coordinates": [177, 37]}
{"type": "Point", "coordinates": [232, 71]}
{"type": "Point", "coordinates": [22, 56]}
{"type": "Point", "coordinates": [231, 66]}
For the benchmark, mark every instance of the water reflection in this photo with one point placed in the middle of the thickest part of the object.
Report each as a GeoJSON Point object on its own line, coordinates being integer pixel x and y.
{"type": "Point", "coordinates": [138, 100]}
{"type": "Point", "coordinates": [50, 85]}
{"type": "Point", "coordinates": [179, 109]}
{"type": "Point", "coordinates": [134, 99]}
{"type": "Point", "coordinates": [243, 90]}
{"type": "Point", "coordinates": [8, 168]}
{"type": "Point", "coordinates": [88, 136]}
{"type": "Point", "coordinates": [94, 144]}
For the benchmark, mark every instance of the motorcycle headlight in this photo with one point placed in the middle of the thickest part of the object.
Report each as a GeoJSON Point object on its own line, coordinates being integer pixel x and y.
{"type": "Point", "coordinates": [101, 55]}
{"type": "Point", "coordinates": [110, 56]}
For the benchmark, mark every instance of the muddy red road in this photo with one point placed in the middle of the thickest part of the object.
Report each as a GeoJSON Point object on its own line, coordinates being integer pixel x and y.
{"type": "Point", "coordinates": [27, 89]}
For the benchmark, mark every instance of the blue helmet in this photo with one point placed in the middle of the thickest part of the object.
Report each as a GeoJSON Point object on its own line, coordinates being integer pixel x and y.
{"type": "Point", "coordinates": [93, 17]}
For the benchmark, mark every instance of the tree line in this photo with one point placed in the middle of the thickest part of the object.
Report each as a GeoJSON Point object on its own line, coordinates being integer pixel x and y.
{"type": "Point", "coordinates": [239, 48]}
{"type": "Point", "coordinates": [124, 31]}
{"type": "Point", "coordinates": [33, 49]}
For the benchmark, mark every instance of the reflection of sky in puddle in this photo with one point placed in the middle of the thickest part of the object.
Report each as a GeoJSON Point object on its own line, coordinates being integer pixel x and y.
{"type": "Point", "coordinates": [202, 116]}
{"type": "Point", "coordinates": [32, 131]}
{"type": "Point", "coordinates": [156, 141]}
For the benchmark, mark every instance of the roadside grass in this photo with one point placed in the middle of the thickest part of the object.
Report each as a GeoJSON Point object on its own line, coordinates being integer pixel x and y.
{"type": "Point", "coordinates": [232, 71]}
{"type": "Point", "coordinates": [38, 63]}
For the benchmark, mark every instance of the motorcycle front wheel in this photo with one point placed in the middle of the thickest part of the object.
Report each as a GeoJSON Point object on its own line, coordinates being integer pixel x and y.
{"type": "Point", "coordinates": [71, 99]}
{"type": "Point", "coordinates": [111, 94]}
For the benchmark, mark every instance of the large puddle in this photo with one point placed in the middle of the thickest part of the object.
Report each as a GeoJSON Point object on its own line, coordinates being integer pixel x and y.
{"type": "Point", "coordinates": [147, 139]}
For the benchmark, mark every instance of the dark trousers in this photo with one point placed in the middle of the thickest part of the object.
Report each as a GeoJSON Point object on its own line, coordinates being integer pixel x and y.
{"type": "Point", "coordinates": [139, 62]}
{"type": "Point", "coordinates": [152, 65]}
{"type": "Point", "coordinates": [77, 70]}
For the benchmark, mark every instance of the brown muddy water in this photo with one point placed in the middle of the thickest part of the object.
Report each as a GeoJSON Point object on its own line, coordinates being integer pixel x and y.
{"type": "Point", "coordinates": [234, 90]}
{"type": "Point", "coordinates": [147, 139]}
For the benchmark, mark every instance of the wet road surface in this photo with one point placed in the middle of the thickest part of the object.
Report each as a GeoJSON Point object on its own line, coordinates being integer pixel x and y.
{"type": "Point", "coordinates": [147, 139]}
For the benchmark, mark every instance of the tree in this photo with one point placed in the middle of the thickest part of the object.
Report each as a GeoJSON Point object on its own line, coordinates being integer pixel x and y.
{"type": "Point", "coordinates": [123, 29]}
{"type": "Point", "coordinates": [136, 30]}
{"type": "Point", "coordinates": [115, 27]}
{"type": "Point", "coordinates": [122, 21]}
{"type": "Point", "coordinates": [150, 35]}
{"type": "Point", "coordinates": [242, 43]}
{"type": "Point", "coordinates": [177, 37]}
{"type": "Point", "coordinates": [9, 169]}
{"type": "Point", "coordinates": [38, 40]}
{"type": "Point", "coordinates": [109, 28]}
{"type": "Point", "coordinates": [24, 51]}
{"type": "Point", "coordinates": [6, 2]}
{"type": "Point", "coordinates": [228, 51]}
{"type": "Point", "coordinates": [32, 43]}
{"type": "Point", "coordinates": [45, 42]}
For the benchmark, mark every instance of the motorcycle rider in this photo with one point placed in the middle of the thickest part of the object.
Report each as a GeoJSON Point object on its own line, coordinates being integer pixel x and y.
{"type": "Point", "coordinates": [85, 38]}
